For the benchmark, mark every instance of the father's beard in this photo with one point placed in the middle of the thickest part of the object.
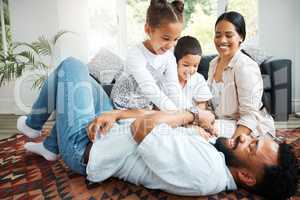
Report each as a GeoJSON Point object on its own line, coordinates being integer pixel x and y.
{"type": "Point", "coordinates": [231, 159]}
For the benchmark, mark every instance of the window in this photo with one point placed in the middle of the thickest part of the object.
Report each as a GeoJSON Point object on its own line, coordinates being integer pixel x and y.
{"type": "Point", "coordinates": [249, 9]}
{"type": "Point", "coordinates": [136, 17]}
{"type": "Point", "coordinates": [106, 26]}
{"type": "Point", "coordinates": [200, 23]}
{"type": "Point", "coordinates": [200, 18]}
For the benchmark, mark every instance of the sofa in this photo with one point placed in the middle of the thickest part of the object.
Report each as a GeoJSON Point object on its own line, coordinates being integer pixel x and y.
{"type": "Point", "coordinates": [276, 74]}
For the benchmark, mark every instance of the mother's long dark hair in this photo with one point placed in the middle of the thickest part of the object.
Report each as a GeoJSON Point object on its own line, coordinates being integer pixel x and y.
{"type": "Point", "coordinates": [237, 20]}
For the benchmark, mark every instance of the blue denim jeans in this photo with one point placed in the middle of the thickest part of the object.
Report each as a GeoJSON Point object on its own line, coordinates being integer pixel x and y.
{"type": "Point", "coordinates": [76, 99]}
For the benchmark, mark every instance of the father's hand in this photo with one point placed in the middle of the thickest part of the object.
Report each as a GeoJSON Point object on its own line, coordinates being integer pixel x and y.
{"type": "Point", "coordinates": [101, 124]}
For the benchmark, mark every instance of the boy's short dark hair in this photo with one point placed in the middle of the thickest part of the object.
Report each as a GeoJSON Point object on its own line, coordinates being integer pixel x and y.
{"type": "Point", "coordinates": [187, 45]}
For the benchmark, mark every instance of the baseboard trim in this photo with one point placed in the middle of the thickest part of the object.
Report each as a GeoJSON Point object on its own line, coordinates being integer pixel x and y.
{"type": "Point", "coordinates": [296, 105]}
{"type": "Point", "coordinates": [8, 106]}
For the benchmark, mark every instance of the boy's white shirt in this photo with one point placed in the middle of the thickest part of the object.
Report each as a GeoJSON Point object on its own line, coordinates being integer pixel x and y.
{"type": "Point", "coordinates": [196, 90]}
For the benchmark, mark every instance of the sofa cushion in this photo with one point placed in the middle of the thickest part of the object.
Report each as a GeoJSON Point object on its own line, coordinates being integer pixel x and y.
{"type": "Point", "coordinates": [256, 54]}
{"type": "Point", "coordinates": [204, 65]}
{"type": "Point", "coordinates": [105, 65]}
{"type": "Point", "coordinates": [266, 81]}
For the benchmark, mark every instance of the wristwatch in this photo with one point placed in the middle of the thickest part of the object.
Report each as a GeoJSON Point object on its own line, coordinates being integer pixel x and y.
{"type": "Point", "coordinates": [195, 112]}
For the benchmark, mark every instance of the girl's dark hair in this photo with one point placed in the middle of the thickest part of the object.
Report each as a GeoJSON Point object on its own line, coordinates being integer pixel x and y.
{"type": "Point", "coordinates": [187, 45]}
{"type": "Point", "coordinates": [237, 20]}
{"type": "Point", "coordinates": [161, 11]}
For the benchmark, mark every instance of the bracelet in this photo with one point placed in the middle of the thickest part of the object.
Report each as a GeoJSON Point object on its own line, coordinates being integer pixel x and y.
{"type": "Point", "coordinates": [195, 112]}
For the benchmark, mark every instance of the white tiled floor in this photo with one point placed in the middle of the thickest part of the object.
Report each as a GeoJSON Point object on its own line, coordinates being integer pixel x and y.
{"type": "Point", "coordinates": [8, 125]}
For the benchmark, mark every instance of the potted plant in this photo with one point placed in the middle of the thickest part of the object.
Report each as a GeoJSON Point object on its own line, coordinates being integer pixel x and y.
{"type": "Point", "coordinates": [29, 56]}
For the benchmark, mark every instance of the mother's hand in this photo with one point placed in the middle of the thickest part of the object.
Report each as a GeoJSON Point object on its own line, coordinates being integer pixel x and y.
{"type": "Point", "coordinates": [101, 125]}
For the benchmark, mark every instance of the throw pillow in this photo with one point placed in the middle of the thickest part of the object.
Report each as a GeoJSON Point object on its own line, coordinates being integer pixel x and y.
{"type": "Point", "coordinates": [105, 65]}
{"type": "Point", "coordinates": [256, 54]}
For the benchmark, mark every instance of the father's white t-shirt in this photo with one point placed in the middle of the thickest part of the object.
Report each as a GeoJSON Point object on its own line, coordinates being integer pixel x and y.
{"type": "Point", "coordinates": [176, 160]}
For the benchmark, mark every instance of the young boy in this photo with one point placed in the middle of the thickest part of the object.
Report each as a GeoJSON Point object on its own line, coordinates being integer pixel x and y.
{"type": "Point", "coordinates": [188, 55]}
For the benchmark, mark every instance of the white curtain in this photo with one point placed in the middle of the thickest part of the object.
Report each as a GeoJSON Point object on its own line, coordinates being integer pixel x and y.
{"type": "Point", "coordinates": [105, 26]}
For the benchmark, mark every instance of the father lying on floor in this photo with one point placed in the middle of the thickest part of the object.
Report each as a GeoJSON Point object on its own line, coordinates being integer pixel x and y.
{"type": "Point", "coordinates": [153, 151]}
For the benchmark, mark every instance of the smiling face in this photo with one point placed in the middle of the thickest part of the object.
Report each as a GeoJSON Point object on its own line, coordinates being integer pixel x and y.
{"type": "Point", "coordinates": [227, 40]}
{"type": "Point", "coordinates": [163, 38]}
{"type": "Point", "coordinates": [188, 64]}
{"type": "Point", "coordinates": [249, 153]}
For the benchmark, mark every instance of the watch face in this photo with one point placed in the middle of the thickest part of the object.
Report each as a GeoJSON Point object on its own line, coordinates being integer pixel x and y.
{"type": "Point", "coordinates": [194, 110]}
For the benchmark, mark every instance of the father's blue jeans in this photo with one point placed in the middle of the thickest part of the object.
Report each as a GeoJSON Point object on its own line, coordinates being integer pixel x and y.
{"type": "Point", "coordinates": [77, 99]}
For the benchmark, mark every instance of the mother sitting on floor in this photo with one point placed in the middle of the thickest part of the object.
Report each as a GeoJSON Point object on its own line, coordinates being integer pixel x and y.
{"type": "Point", "coordinates": [235, 79]}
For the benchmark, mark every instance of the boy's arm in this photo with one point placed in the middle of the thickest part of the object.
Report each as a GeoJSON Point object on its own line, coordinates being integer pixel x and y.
{"type": "Point", "coordinates": [142, 126]}
{"type": "Point", "coordinates": [202, 105]}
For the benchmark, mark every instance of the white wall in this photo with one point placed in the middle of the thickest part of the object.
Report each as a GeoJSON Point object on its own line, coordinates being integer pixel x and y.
{"type": "Point", "coordinates": [29, 19]}
{"type": "Point", "coordinates": [73, 16]}
{"type": "Point", "coordinates": [279, 31]}
{"type": "Point", "coordinates": [297, 62]}
{"type": "Point", "coordinates": [33, 18]}
{"type": "Point", "coordinates": [279, 36]}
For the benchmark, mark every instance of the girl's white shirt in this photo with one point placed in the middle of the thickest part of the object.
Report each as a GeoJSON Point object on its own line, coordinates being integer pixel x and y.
{"type": "Point", "coordinates": [148, 79]}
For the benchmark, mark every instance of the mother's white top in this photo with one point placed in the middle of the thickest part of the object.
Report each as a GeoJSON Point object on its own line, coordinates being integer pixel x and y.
{"type": "Point", "coordinates": [241, 93]}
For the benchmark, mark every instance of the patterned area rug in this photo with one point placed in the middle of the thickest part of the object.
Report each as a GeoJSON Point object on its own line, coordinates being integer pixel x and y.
{"type": "Point", "coordinates": [28, 176]}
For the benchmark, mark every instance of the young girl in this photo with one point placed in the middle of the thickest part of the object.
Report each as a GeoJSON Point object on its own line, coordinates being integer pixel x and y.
{"type": "Point", "coordinates": [150, 75]}
{"type": "Point", "coordinates": [188, 54]}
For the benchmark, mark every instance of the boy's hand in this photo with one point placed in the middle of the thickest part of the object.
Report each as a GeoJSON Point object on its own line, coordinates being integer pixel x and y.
{"type": "Point", "coordinates": [206, 135]}
{"type": "Point", "coordinates": [206, 120]}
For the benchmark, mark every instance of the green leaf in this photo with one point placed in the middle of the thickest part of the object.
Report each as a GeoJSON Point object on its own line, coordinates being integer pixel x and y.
{"type": "Point", "coordinates": [58, 35]}
{"type": "Point", "coordinates": [38, 83]}
{"type": "Point", "coordinates": [43, 66]}
{"type": "Point", "coordinates": [19, 69]}
{"type": "Point", "coordinates": [1, 79]}
{"type": "Point", "coordinates": [43, 46]}
{"type": "Point", "coordinates": [27, 55]}
{"type": "Point", "coordinates": [30, 46]}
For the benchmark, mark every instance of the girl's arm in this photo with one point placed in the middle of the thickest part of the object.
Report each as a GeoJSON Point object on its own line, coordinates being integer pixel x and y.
{"type": "Point", "coordinates": [142, 126]}
{"type": "Point", "coordinates": [136, 66]}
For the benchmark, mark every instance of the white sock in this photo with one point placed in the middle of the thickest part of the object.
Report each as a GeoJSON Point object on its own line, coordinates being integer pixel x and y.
{"type": "Point", "coordinates": [26, 130]}
{"type": "Point", "coordinates": [38, 148]}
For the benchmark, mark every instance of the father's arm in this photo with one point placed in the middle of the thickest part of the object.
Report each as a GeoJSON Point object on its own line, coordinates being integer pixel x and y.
{"type": "Point", "coordinates": [142, 126]}
{"type": "Point", "coordinates": [106, 120]}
